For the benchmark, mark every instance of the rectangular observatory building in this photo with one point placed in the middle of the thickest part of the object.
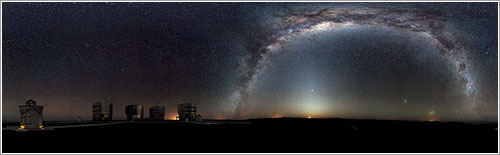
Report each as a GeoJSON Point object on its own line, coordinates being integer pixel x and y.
{"type": "Point", "coordinates": [186, 111]}
{"type": "Point", "coordinates": [102, 111]}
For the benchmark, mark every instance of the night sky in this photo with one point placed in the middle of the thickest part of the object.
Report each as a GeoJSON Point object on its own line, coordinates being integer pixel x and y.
{"type": "Point", "coordinates": [398, 61]}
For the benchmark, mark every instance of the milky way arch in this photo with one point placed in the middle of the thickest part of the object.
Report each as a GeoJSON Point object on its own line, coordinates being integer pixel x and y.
{"type": "Point", "coordinates": [429, 25]}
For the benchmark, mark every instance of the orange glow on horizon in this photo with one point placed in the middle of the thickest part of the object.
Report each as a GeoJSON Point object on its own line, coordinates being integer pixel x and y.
{"type": "Point", "coordinates": [171, 117]}
{"type": "Point", "coordinates": [432, 120]}
{"type": "Point", "coordinates": [219, 118]}
{"type": "Point", "coordinates": [278, 116]}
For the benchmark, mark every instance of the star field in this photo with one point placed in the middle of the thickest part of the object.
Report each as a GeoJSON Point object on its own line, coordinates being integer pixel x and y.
{"type": "Point", "coordinates": [409, 61]}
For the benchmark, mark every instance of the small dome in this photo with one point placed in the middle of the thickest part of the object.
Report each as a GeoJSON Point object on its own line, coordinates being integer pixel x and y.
{"type": "Point", "coordinates": [30, 102]}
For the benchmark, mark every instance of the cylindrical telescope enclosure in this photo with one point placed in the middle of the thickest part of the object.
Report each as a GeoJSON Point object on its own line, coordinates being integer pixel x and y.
{"type": "Point", "coordinates": [31, 116]}
{"type": "Point", "coordinates": [102, 111]}
{"type": "Point", "coordinates": [157, 113]}
{"type": "Point", "coordinates": [134, 112]}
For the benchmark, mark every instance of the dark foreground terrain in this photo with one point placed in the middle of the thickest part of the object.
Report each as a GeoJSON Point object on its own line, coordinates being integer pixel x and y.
{"type": "Point", "coordinates": [284, 135]}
